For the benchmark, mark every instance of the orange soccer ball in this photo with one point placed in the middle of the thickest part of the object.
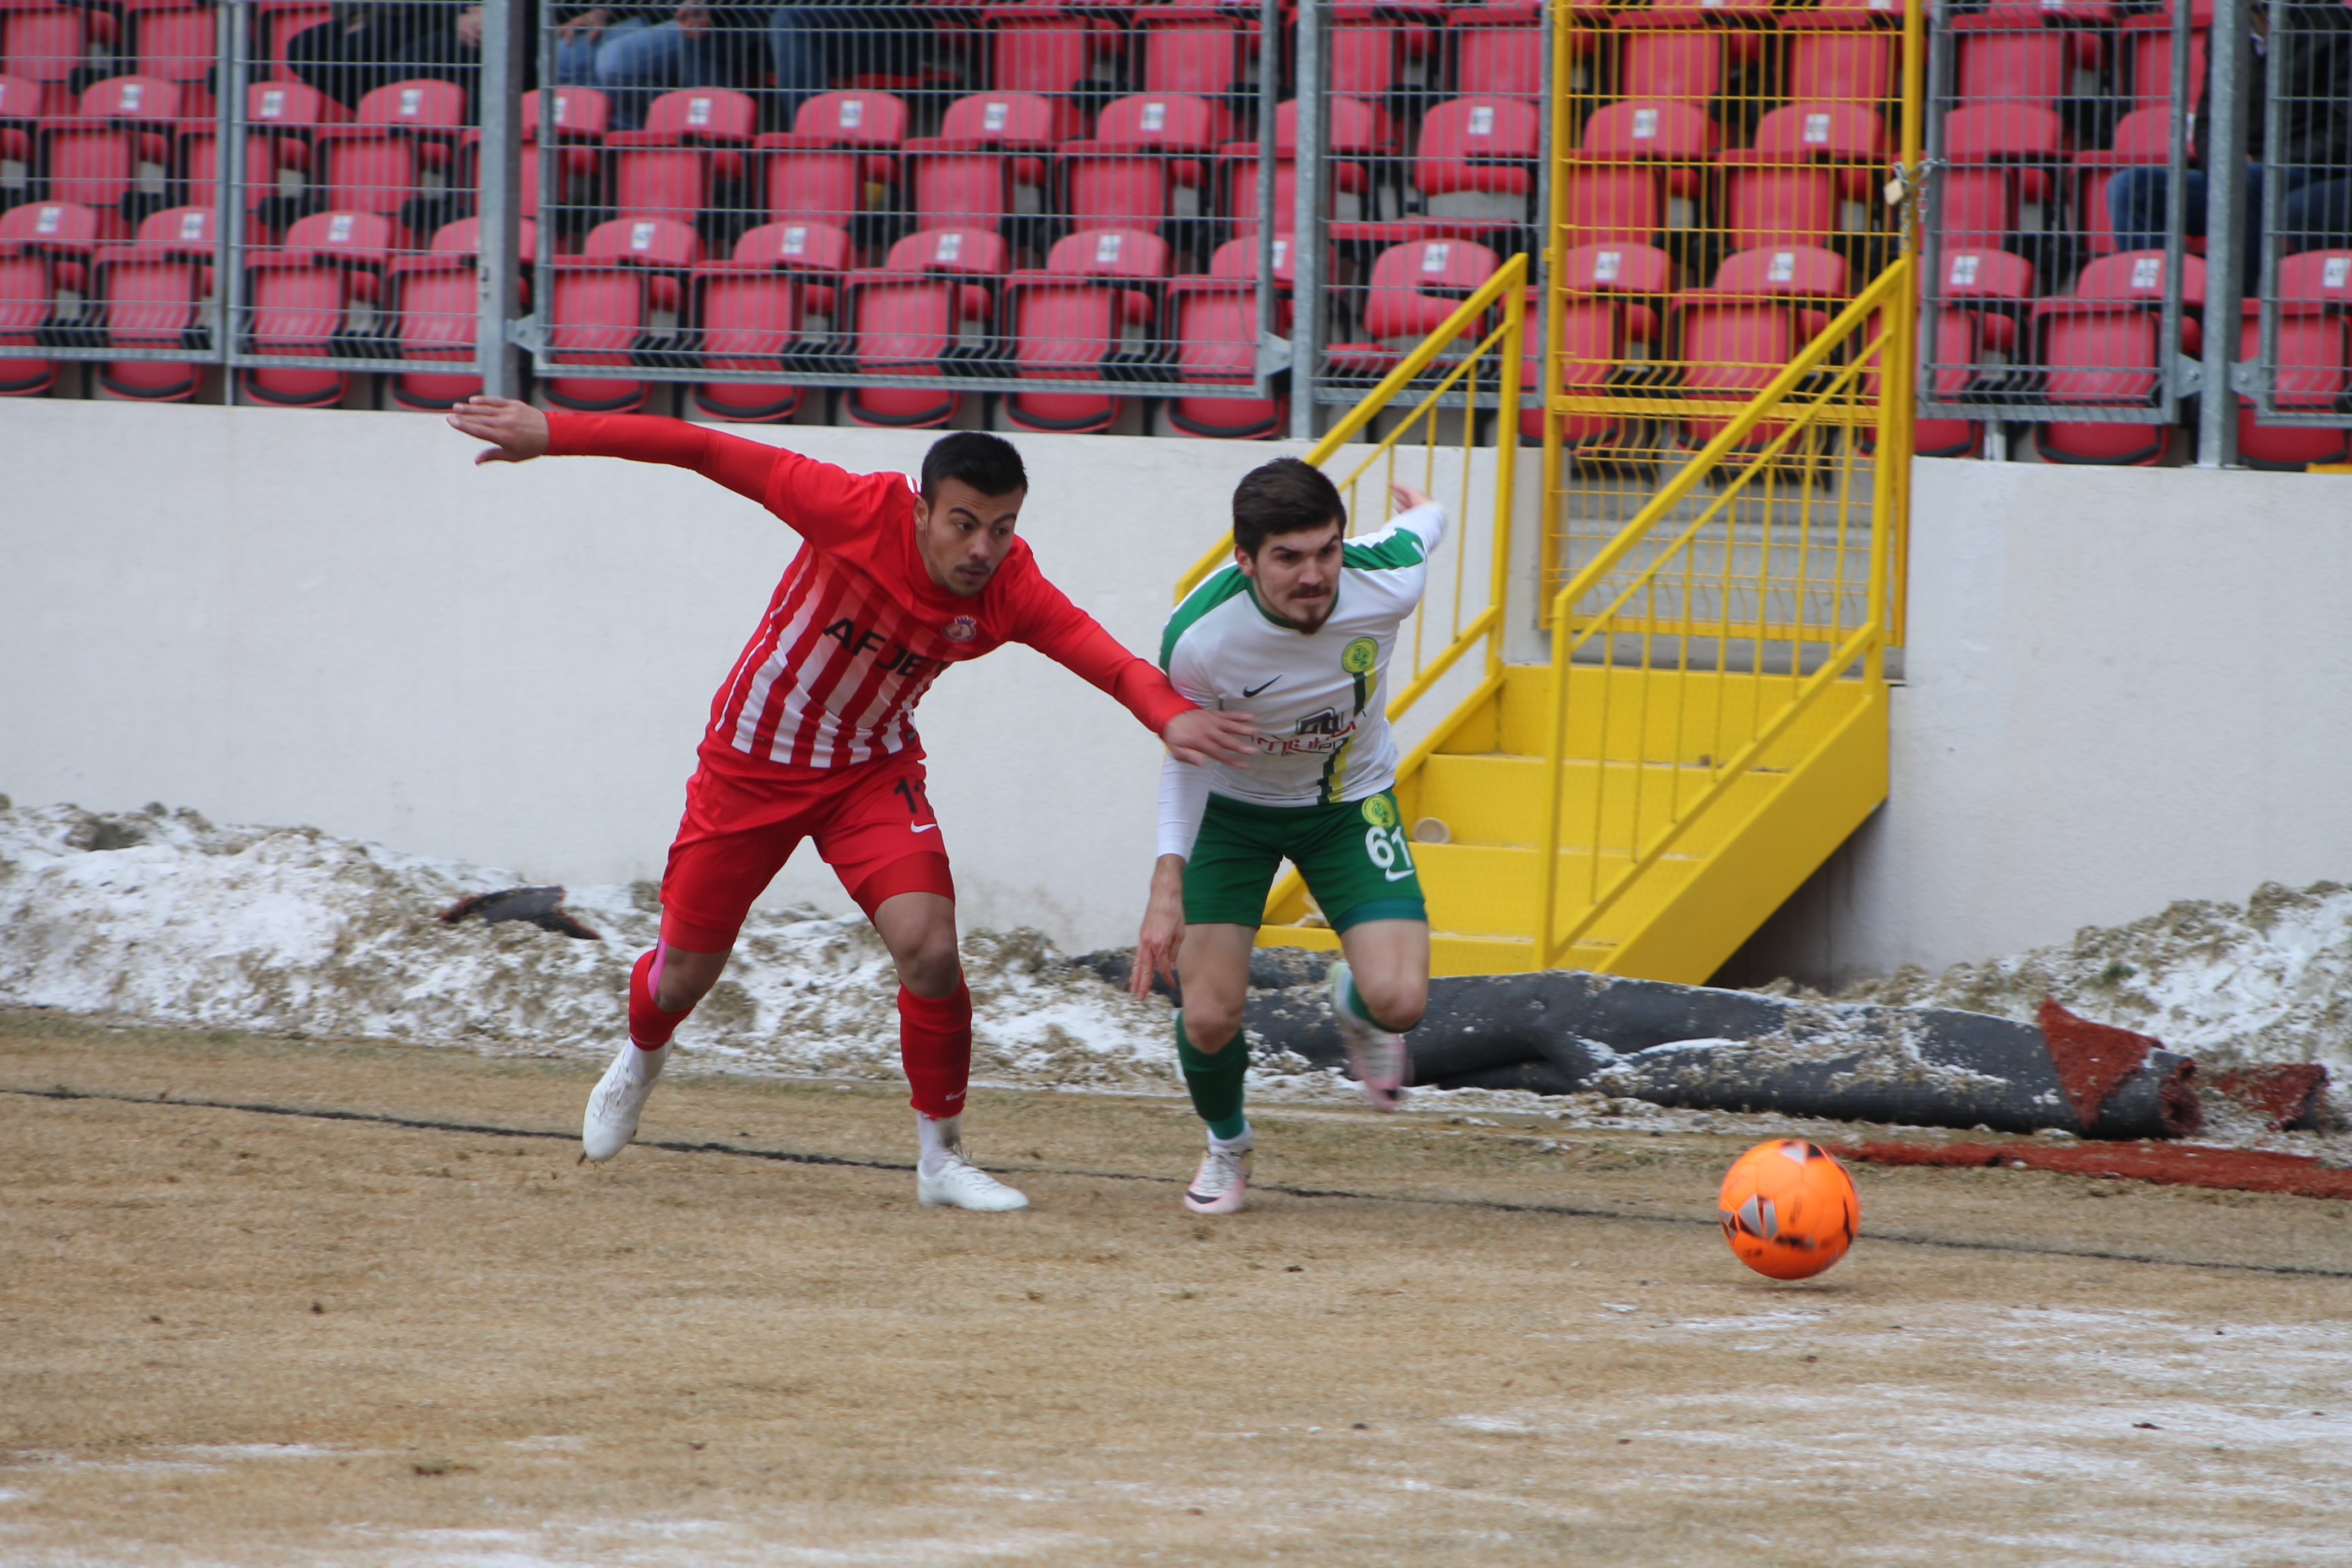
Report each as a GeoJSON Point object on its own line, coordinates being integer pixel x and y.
{"type": "Point", "coordinates": [1789, 1209]}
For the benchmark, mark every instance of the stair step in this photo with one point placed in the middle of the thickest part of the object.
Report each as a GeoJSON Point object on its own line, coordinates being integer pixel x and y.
{"type": "Point", "coordinates": [1499, 800]}
{"type": "Point", "coordinates": [1661, 715]}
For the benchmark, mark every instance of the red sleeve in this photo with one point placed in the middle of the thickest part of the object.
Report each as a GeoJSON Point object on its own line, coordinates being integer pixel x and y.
{"type": "Point", "coordinates": [825, 505]}
{"type": "Point", "coordinates": [1045, 619]}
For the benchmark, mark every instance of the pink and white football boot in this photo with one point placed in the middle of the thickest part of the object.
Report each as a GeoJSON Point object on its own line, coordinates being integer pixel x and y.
{"type": "Point", "coordinates": [1375, 1055]}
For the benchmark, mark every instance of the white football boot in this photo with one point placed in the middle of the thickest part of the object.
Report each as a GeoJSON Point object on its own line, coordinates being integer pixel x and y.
{"type": "Point", "coordinates": [1222, 1184]}
{"type": "Point", "coordinates": [944, 1179]}
{"type": "Point", "coordinates": [618, 1099]}
{"type": "Point", "coordinates": [1377, 1055]}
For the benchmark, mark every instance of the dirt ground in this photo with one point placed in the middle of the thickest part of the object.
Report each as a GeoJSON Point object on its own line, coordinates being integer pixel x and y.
{"type": "Point", "coordinates": [228, 1336]}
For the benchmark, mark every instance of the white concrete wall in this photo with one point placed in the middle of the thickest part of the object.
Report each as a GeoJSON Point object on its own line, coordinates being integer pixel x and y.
{"type": "Point", "coordinates": [2125, 687]}
{"type": "Point", "coordinates": [331, 618]}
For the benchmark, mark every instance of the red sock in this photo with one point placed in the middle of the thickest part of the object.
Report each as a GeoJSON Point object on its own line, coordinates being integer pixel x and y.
{"type": "Point", "coordinates": [934, 1045]}
{"type": "Point", "coordinates": [649, 1026]}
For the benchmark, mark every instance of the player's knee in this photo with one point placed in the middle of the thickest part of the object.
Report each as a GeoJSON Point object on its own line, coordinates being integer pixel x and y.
{"type": "Point", "coordinates": [929, 966]}
{"type": "Point", "coordinates": [684, 985]}
{"type": "Point", "coordinates": [1210, 1028]}
{"type": "Point", "coordinates": [1397, 1001]}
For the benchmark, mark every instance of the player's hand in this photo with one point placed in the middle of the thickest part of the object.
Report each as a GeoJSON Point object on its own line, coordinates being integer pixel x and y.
{"type": "Point", "coordinates": [516, 431]}
{"type": "Point", "coordinates": [1163, 936]}
{"type": "Point", "coordinates": [694, 19]}
{"type": "Point", "coordinates": [1201, 736]}
{"type": "Point", "coordinates": [1407, 498]}
{"type": "Point", "coordinates": [470, 26]}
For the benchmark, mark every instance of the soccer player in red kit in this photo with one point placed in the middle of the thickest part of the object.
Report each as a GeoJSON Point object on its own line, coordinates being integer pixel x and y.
{"type": "Point", "coordinates": [810, 735]}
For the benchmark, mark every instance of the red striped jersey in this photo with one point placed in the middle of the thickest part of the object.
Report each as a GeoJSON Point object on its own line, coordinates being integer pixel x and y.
{"type": "Point", "coordinates": [857, 631]}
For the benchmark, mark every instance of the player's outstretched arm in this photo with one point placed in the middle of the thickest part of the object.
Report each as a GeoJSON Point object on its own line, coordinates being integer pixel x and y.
{"type": "Point", "coordinates": [801, 491]}
{"type": "Point", "coordinates": [1048, 622]}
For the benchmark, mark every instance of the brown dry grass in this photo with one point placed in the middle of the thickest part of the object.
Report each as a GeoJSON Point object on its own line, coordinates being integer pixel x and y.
{"type": "Point", "coordinates": [473, 1351]}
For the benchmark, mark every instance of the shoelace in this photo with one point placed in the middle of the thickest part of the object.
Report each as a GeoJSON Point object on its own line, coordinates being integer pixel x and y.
{"type": "Point", "coordinates": [1220, 1169]}
{"type": "Point", "coordinates": [953, 1165]}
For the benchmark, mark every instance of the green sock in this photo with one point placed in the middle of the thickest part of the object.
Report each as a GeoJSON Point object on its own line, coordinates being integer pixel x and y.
{"type": "Point", "coordinates": [1215, 1082]}
{"type": "Point", "coordinates": [1353, 1000]}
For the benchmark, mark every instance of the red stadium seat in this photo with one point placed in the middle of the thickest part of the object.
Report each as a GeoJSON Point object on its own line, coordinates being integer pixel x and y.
{"type": "Point", "coordinates": [282, 119]}
{"type": "Point", "coordinates": [1370, 40]}
{"type": "Point", "coordinates": [377, 162]}
{"type": "Point", "coordinates": [909, 317]}
{"type": "Point", "coordinates": [692, 139]}
{"type": "Point", "coordinates": [1195, 47]}
{"type": "Point", "coordinates": [1999, 174]}
{"type": "Point", "coordinates": [1614, 295]}
{"type": "Point", "coordinates": [275, 23]}
{"type": "Point", "coordinates": [2013, 56]}
{"type": "Point", "coordinates": [1497, 48]}
{"type": "Point", "coordinates": [754, 307]}
{"type": "Point", "coordinates": [990, 149]}
{"type": "Point", "coordinates": [1090, 311]}
{"type": "Point", "coordinates": [2102, 346]}
{"type": "Point", "coordinates": [1037, 46]}
{"type": "Point", "coordinates": [2143, 139]}
{"type": "Point", "coordinates": [296, 304]}
{"type": "Point", "coordinates": [151, 295]}
{"type": "Point", "coordinates": [582, 117]}
{"type": "Point", "coordinates": [176, 44]}
{"type": "Point", "coordinates": [430, 307]}
{"type": "Point", "coordinates": [1478, 159]}
{"type": "Point", "coordinates": [2314, 360]}
{"type": "Point", "coordinates": [46, 44]}
{"type": "Point", "coordinates": [1683, 49]}
{"type": "Point", "coordinates": [1808, 165]}
{"type": "Point", "coordinates": [1732, 339]}
{"type": "Point", "coordinates": [117, 152]}
{"type": "Point", "coordinates": [2146, 50]}
{"type": "Point", "coordinates": [620, 297]}
{"type": "Point", "coordinates": [1212, 321]}
{"type": "Point", "coordinates": [1413, 288]}
{"type": "Point", "coordinates": [1982, 296]}
{"type": "Point", "coordinates": [45, 249]}
{"type": "Point", "coordinates": [1841, 51]}
{"type": "Point", "coordinates": [1637, 172]}
{"type": "Point", "coordinates": [840, 144]}
{"type": "Point", "coordinates": [1359, 132]}
{"type": "Point", "coordinates": [20, 108]}
{"type": "Point", "coordinates": [1146, 149]}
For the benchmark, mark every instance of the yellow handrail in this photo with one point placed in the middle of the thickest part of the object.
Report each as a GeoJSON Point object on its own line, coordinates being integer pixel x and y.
{"type": "Point", "coordinates": [1510, 285]}
{"type": "Point", "coordinates": [1784, 401]}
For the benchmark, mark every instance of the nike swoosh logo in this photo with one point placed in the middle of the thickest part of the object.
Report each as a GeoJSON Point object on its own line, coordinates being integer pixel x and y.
{"type": "Point", "coordinates": [1253, 690]}
{"type": "Point", "coordinates": [927, 828]}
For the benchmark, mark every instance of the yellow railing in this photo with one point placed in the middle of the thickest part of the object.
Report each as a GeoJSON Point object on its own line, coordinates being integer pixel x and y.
{"type": "Point", "coordinates": [1759, 600]}
{"type": "Point", "coordinates": [1463, 605]}
{"type": "Point", "coordinates": [1455, 614]}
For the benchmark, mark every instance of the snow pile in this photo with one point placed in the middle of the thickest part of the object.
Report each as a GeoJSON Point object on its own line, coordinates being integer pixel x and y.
{"type": "Point", "coordinates": [2267, 981]}
{"type": "Point", "coordinates": [160, 917]}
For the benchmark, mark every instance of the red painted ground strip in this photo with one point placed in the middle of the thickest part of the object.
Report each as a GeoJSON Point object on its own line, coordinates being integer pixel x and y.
{"type": "Point", "coordinates": [2167, 1165]}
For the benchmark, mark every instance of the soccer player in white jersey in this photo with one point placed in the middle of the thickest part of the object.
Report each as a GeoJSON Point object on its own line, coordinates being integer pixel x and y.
{"type": "Point", "coordinates": [1297, 633]}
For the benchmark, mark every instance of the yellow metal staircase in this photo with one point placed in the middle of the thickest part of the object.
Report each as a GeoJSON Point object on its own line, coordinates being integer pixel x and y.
{"type": "Point", "coordinates": [1712, 722]}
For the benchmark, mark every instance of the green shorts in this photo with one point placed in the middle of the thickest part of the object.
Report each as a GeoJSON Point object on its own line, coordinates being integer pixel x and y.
{"type": "Point", "coordinates": [1353, 855]}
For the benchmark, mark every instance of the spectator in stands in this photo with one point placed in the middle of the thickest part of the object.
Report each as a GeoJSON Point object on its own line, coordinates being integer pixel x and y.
{"type": "Point", "coordinates": [638, 57]}
{"type": "Point", "coordinates": [369, 44]}
{"type": "Point", "coordinates": [2313, 163]}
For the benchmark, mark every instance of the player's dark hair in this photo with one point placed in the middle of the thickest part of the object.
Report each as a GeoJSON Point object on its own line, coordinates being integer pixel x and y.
{"type": "Point", "coordinates": [1285, 496]}
{"type": "Point", "coordinates": [989, 464]}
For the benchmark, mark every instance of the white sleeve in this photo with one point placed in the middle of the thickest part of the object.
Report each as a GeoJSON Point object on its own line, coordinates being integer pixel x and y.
{"type": "Point", "coordinates": [1426, 523]}
{"type": "Point", "coordinates": [1183, 798]}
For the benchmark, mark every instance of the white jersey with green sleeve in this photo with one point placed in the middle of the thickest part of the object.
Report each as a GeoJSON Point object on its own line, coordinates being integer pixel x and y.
{"type": "Point", "coordinates": [1319, 698]}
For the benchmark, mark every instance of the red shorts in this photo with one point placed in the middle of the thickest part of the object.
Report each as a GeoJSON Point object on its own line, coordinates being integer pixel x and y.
{"type": "Point", "coordinates": [872, 824]}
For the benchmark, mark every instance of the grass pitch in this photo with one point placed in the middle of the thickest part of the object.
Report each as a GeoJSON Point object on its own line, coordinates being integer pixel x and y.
{"type": "Point", "coordinates": [409, 1331]}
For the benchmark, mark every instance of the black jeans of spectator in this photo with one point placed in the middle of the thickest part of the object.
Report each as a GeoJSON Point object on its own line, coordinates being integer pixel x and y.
{"type": "Point", "coordinates": [395, 43]}
{"type": "Point", "coordinates": [2315, 210]}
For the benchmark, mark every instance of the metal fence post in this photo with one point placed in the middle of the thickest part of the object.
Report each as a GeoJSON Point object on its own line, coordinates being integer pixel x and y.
{"type": "Point", "coordinates": [2227, 47]}
{"type": "Point", "coordinates": [498, 266]}
{"type": "Point", "coordinates": [228, 279]}
{"type": "Point", "coordinates": [1306, 225]}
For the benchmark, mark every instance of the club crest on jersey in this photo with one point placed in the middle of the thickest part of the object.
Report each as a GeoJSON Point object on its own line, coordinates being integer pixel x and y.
{"type": "Point", "coordinates": [964, 629]}
{"type": "Point", "coordinates": [1380, 810]}
{"type": "Point", "coordinates": [1358, 657]}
